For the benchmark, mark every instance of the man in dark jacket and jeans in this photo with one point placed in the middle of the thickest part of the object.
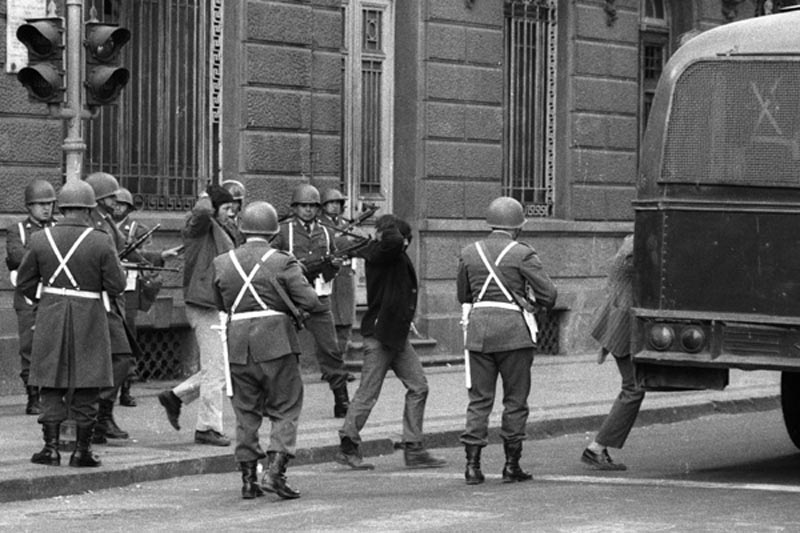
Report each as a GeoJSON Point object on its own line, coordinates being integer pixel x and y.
{"type": "Point", "coordinates": [391, 304]}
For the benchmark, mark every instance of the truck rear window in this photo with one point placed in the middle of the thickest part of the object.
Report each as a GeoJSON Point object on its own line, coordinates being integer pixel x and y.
{"type": "Point", "coordinates": [735, 121]}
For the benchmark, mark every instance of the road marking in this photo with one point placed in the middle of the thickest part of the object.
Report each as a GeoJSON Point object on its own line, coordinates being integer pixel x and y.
{"type": "Point", "coordinates": [553, 478]}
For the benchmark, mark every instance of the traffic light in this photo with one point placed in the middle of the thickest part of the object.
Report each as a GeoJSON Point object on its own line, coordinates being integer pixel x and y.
{"type": "Point", "coordinates": [44, 75]}
{"type": "Point", "coordinates": [105, 77]}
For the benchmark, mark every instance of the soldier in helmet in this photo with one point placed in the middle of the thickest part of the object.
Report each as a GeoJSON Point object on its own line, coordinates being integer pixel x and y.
{"type": "Point", "coordinates": [499, 281]}
{"type": "Point", "coordinates": [311, 243]}
{"type": "Point", "coordinates": [209, 231]}
{"type": "Point", "coordinates": [71, 269]}
{"type": "Point", "coordinates": [133, 230]}
{"type": "Point", "coordinates": [343, 297]}
{"type": "Point", "coordinates": [263, 347]}
{"type": "Point", "coordinates": [39, 199]}
{"type": "Point", "coordinates": [123, 343]}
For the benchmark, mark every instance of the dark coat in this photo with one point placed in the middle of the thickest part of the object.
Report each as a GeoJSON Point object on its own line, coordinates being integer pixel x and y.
{"type": "Point", "coordinates": [68, 328]}
{"type": "Point", "coordinates": [493, 330]}
{"type": "Point", "coordinates": [204, 239]}
{"type": "Point", "coordinates": [17, 240]}
{"type": "Point", "coordinates": [391, 290]}
{"type": "Point", "coordinates": [612, 328]}
{"type": "Point", "coordinates": [263, 338]}
{"type": "Point", "coordinates": [343, 298]}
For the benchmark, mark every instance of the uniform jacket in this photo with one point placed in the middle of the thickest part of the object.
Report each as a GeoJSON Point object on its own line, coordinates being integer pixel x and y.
{"type": "Point", "coordinates": [343, 298]}
{"type": "Point", "coordinates": [71, 338]}
{"type": "Point", "coordinates": [17, 240]}
{"type": "Point", "coordinates": [391, 290]}
{"type": "Point", "coordinates": [263, 338]}
{"type": "Point", "coordinates": [121, 339]}
{"type": "Point", "coordinates": [306, 246]}
{"type": "Point", "coordinates": [204, 239]}
{"type": "Point", "coordinates": [612, 328]}
{"type": "Point", "coordinates": [498, 330]}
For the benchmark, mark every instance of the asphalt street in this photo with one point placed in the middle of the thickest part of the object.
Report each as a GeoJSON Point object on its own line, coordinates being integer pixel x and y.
{"type": "Point", "coordinates": [718, 473]}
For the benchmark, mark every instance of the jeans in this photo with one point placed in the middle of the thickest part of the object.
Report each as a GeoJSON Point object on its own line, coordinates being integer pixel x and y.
{"type": "Point", "coordinates": [378, 359]}
{"type": "Point", "coordinates": [209, 383]}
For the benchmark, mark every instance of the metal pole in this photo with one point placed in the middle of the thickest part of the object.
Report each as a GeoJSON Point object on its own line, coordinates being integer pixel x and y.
{"type": "Point", "coordinates": [74, 147]}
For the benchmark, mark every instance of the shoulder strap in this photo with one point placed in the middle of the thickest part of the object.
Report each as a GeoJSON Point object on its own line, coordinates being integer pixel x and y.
{"type": "Point", "coordinates": [132, 231]}
{"type": "Point", "coordinates": [62, 260]}
{"type": "Point", "coordinates": [492, 274]}
{"type": "Point", "coordinates": [23, 236]}
{"type": "Point", "coordinates": [248, 279]}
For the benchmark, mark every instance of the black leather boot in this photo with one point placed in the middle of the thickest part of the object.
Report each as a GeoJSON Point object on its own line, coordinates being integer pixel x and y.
{"type": "Point", "coordinates": [32, 407]}
{"type": "Point", "coordinates": [125, 397]}
{"type": "Point", "coordinates": [341, 401]}
{"type": "Point", "coordinates": [250, 487]}
{"type": "Point", "coordinates": [473, 473]}
{"type": "Point", "coordinates": [83, 456]}
{"type": "Point", "coordinates": [49, 454]}
{"type": "Point", "coordinates": [275, 477]}
{"type": "Point", "coordinates": [106, 427]}
{"type": "Point", "coordinates": [512, 471]}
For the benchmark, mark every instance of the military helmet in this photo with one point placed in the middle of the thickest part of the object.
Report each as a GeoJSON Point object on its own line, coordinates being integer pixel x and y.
{"type": "Point", "coordinates": [333, 195]}
{"type": "Point", "coordinates": [259, 218]}
{"type": "Point", "coordinates": [505, 213]}
{"type": "Point", "coordinates": [236, 189]}
{"type": "Point", "coordinates": [76, 193]}
{"type": "Point", "coordinates": [305, 194]}
{"type": "Point", "coordinates": [124, 196]}
{"type": "Point", "coordinates": [103, 184]}
{"type": "Point", "coordinates": [39, 191]}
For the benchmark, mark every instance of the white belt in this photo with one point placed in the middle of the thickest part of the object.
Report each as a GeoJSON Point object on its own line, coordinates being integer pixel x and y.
{"type": "Point", "coordinates": [72, 292]}
{"type": "Point", "coordinates": [499, 305]}
{"type": "Point", "coordinates": [247, 315]}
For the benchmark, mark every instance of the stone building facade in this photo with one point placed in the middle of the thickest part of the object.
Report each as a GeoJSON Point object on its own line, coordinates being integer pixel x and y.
{"type": "Point", "coordinates": [426, 108]}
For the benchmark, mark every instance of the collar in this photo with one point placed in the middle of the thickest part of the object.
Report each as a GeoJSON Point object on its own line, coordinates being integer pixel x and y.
{"type": "Point", "coordinates": [500, 234]}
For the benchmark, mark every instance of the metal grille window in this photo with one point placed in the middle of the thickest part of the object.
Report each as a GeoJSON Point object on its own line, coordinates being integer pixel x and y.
{"type": "Point", "coordinates": [367, 100]}
{"type": "Point", "coordinates": [158, 140]}
{"type": "Point", "coordinates": [530, 77]}
{"type": "Point", "coordinates": [653, 54]}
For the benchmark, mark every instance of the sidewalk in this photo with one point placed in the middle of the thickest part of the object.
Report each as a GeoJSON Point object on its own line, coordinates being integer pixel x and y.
{"type": "Point", "coordinates": [569, 394]}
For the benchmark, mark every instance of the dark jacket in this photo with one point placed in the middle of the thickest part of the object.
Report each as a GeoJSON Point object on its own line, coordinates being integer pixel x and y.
{"type": "Point", "coordinates": [71, 339]}
{"type": "Point", "coordinates": [391, 290]}
{"type": "Point", "coordinates": [263, 338]}
{"type": "Point", "coordinates": [204, 239]}
{"type": "Point", "coordinates": [612, 328]}
{"type": "Point", "coordinates": [493, 330]}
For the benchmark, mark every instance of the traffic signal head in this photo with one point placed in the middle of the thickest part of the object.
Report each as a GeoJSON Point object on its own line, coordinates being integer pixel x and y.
{"type": "Point", "coordinates": [44, 75]}
{"type": "Point", "coordinates": [105, 77]}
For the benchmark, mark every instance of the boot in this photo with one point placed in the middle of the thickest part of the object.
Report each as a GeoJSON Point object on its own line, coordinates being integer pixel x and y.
{"type": "Point", "coordinates": [250, 487]}
{"type": "Point", "coordinates": [125, 397]}
{"type": "Point", "coordinates": [275, 477]}
{"type": "Point", "coordinates": [473, 473]}
{"type": "Point", "coordinates": [33, 407]}
{"type": "Point", "coordinates": [350, 455]}
{"type": "Point", "coordinates": [49, 454]}
{"type": "Point", "coordinates": [341, 401]}
{"type": "Point", "coordinates": [416, 456]}
{"type": "Point", "coordinates": [512, 471]}
{"type": "Point", "coordinates": [83, 456]}
{"type": "Point", "coordinates": [106, 427]}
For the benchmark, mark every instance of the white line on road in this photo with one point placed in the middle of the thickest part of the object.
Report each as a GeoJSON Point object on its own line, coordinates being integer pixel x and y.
{"type": "Point", "coordinates": [763, 487]}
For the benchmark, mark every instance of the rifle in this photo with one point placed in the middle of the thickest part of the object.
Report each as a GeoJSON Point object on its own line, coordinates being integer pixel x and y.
{"type": "Point", "coordinates": [129, 248]}
{"type": "Point", "coordinates": [324, 265]}
{"type": "Point", "coordinates": [299, 316]}
{"type": "Point", "coordinates": [142, 266]}
{"type": "Point", "coordinates": [369, 210]}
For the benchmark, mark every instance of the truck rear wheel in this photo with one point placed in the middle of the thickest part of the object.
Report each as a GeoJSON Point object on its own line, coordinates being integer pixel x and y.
{"type": "Point", "coordinates": [790, 404]}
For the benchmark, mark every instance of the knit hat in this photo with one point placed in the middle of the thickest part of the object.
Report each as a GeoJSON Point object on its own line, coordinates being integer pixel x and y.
{"type": "Point", "coordinates": [219, 195]}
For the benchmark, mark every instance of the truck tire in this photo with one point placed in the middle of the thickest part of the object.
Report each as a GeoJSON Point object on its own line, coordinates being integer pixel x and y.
{"type": "Point", "coordinates": [790, 404]}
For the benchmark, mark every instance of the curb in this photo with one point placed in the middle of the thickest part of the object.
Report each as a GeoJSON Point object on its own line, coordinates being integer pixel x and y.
{"type": "Point", "coordinates": [88, 480]}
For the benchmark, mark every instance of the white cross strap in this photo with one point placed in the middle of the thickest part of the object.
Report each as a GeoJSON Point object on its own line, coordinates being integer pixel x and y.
{"type": "Point", "coordinates": [492, 275]}
{"type": "Point", "coordinates": [248, 279]}
{"type": "Point", "coordinates": [64, 259]}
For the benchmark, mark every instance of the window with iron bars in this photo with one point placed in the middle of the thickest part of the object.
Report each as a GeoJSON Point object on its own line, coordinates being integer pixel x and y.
{"type": "Point", "coordinates": [158, 139]}
{"type": "Point", "coordinates": [653, 54]}
{"type": "Point", "coordinates": [529, 131]}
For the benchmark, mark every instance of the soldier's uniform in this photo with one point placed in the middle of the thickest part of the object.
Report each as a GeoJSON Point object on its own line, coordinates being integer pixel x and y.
{"type": "Point", "coordinates": [343, 292]}
{"type": "Point", "coordinates": [262, 343]}
{"type": "Point", "coordinates": [72, 265]}
{"type": "Point", "coordinates": [17, 240]}
{"type": "Point", "coordinates": [310, 244]}
{"type": "Point", "coordinates": [498, 337]}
